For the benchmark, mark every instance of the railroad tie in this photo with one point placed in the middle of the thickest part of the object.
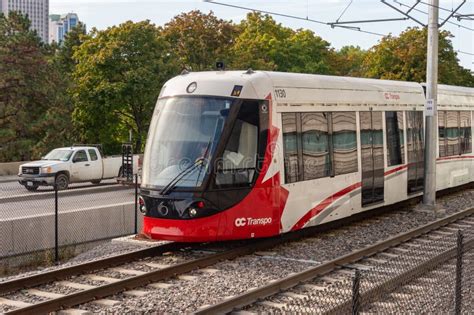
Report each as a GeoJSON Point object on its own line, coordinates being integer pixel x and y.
{"type": "Point", "coordinates": [136, 293]}
{"type": "Point", "coordinates": [294, 295]}
{"type": "Point", "coordinates": [160, 285]}
{"type": "Point", "coordinates": [157, 266]}
{"type": "Point", "coordinates": [131, 272]}
{"type": "Point", "coordinates": [49, 295]}
{"type": "Point", "coordinates": [18, 304]}
{"type": "Point", "coordinates": [103, 279]}
{"type": "Point", "coordinates": [106, 302]}
{"type": "Point", "coordinates": [74, 311]}
{"type": "Point", "coordinates": [76, 285]}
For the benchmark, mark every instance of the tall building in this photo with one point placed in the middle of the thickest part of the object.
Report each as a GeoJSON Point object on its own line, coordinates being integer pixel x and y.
{"type": "Point", "coordinates": [60, 25]}
{"type": "Point", "coordinates": [36, 10]}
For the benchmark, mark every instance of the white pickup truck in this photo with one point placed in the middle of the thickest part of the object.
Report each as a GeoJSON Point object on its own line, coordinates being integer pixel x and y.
{"type": "Point", "coordinates": [63, 166]}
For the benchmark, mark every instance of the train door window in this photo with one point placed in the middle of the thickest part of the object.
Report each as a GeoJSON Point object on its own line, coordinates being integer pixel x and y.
{"type": "Point", "coordinates": [344, 142]}
{"type": "Point", "coordinates": [465, 135]}
{"type": "Point", "coordinates": [395, 142]}
{"type": "Point", "coordinates": [442, 133]}
{"type": "Point", "coordinates": [290, 147]}
{"type": "Point", "coordinates": [371, 135]}
{"type": "Point", "coordinates": [239, 160]}
{"type": "Point", "coordinates": [315, 145]}
{"type": "Point", "coordinates": [452, 133]}
{"type": "Point", "coordinates": [415, 148]}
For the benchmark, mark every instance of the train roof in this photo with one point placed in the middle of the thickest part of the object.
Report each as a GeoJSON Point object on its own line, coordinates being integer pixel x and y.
{"type": "Point", "coordinates": [310, 88]}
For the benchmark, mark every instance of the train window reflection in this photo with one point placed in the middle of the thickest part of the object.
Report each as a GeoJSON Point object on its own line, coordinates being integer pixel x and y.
{"type": "Point", "coordinates": [315, 140]}
{"type": "Point", "coordinates": [465, 132]}
{"type": "Point", "coordinates": [395, 141]}
{"type": "Point", "coordinates": [239, 160]}
{"type": "Point", "coordinates": [290, 147]}
{"type": "Point", "coordinates": [454, 133]}
{"type": "Point", "coordinates": [344, 140]}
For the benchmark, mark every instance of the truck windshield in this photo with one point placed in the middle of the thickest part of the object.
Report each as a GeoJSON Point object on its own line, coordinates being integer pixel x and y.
{"type": "Point", "coordinates": [58, 155]}
{"type": "Point", "coordinates": [183, 130]}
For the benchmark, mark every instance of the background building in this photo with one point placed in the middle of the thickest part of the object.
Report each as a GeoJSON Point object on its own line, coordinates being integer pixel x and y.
{"type": "Point", "coordinates": [60, 25]}
{"type": "Point", "coordinates": [36, 10]}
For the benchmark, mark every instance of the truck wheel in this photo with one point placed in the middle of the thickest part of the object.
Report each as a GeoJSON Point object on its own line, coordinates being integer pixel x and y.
{"type": "Point", "coordinates": [96, 182]}
{"type": "Point", "coordinates": [62, 181]}
{"type": "Point", "coordinates": [32, 188]}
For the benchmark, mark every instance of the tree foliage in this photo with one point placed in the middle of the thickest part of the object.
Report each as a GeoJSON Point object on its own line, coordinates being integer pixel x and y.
{"type": "Point", "coordinates": [94, 87]}
{"type": "Point", "coordinates": [117, 78]}
{"type": "Point", "coordinates": [263, 44]}
{"type": "Point", "coordinates": [198, 40]}
{"type": "Point", "coordinates": [404, 58]}
{"type": "Point", "coordinates": [27, 88]}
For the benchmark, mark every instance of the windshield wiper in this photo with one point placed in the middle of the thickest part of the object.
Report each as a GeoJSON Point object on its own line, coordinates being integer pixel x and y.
{"type": "Point", "coordinates": [172, 184]}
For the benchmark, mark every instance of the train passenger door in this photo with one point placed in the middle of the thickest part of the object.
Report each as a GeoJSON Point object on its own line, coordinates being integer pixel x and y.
{"type": "Point", "coordinates": [415, 151]}
{"type": "Point", "coordinates": [371, 134]}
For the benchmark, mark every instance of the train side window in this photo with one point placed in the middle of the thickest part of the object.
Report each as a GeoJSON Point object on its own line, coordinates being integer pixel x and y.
{"type": "Point", "coordinates": [442, 133]}
{"type": "Point", "coordinates": [344, 142]}
{"type": "Point", "coordinates": [395, 141]}
{"type": "Point", "coordinates": [452, 133]}
{"type": "Point", "coordinates": [239, 160]}
{"type": "Point", "coordinates": [465, 128]}
{"type": "Point", "coordinates": [315, 143]}
{"type": "Point", "coordinates": [290, 147]}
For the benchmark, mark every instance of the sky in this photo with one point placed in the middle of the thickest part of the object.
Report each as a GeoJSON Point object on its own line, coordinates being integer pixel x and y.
{"type": "Point", "coordinates": [105, 13]}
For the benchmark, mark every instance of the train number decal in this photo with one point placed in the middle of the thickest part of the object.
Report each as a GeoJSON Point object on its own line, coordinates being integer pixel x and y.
{"type": "Point", "coordinates": [280, 93]}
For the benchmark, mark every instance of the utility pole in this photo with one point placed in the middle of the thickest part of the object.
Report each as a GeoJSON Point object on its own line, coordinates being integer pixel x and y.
{"type": "Point", "coordinates": [431, 112]}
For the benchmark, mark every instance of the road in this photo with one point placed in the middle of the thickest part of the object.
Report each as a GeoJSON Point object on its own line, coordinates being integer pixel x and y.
{"type": "Point", "coordinates": [16, 201]}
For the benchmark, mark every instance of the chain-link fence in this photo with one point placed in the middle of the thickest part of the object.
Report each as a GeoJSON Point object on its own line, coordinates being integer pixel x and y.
{"type": "Point", "coordinates": [46, 225]}
{"type": "Point", "coordinates": [433, 274]}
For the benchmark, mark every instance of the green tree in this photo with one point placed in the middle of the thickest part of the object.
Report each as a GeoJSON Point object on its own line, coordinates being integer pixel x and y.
{"type": "Point", "coordinates": [264, 44]}
{"type": "Point", "coordinates": [27, 88]}
{"type": "Point", "coordinates": [348, 61]}
{"type": "Point", "coordinates": [117, 80]}
{"type": "Point", "coordinates": [404, 58]}
{"type": "Point", "coordinates": [198, 40]}
{"type": "Point", "coordinates": [57, 121]}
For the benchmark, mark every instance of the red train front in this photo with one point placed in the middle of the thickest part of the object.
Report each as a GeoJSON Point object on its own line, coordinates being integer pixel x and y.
{"type": "Point", "coordinates": [205, 163]}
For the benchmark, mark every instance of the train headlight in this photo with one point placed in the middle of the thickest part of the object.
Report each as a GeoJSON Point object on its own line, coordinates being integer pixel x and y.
{"type": "Point", "coordinates": [141, 205]}
{"type": "Point", "coordinates": [192, 212]}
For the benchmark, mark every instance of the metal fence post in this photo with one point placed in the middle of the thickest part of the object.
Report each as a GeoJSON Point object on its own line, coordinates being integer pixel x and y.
{"type": "Point", "coordinates": [136, 203]}
{"type": "Point", "coordinates": [356, 293]}
{"type": "Point", "coordinates": [458, 286]}
{"type": "Point", "coordinates": [56, 224]}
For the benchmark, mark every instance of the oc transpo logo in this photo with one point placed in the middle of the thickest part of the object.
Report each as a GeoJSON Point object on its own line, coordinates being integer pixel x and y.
{"type": "Point", "coordinates": [240, 222]}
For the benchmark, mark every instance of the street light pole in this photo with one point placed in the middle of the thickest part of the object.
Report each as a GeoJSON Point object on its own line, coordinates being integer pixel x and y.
{"type": "Point", "coordinates": [429, 190]}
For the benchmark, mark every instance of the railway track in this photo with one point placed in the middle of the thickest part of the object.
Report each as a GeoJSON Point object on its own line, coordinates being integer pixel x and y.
{"type": "Point", "coordinates": [131, 278]}
{"type": "Point", "coordinates": [51, 301]}
{"type": "Point", "coordinates": [310, 290]}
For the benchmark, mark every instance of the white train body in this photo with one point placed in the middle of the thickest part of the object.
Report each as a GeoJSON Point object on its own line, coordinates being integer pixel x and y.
{"type": "Point", "coordinates": [337, 146]}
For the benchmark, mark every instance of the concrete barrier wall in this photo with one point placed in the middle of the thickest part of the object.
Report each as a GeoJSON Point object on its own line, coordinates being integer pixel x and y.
{"type": "Point", "coordinates": [30, 234]}
{"type": "Point", "coordinates": [10, 168]}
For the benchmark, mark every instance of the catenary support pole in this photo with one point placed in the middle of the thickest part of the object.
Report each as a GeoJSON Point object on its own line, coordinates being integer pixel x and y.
{"type": "Point", "coordinates": [429, 193]}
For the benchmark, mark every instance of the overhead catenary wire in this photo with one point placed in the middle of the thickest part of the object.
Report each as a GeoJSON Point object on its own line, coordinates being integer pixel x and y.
{"type": "Point", "coordinates": [356, 29]}
{"type": "Point", "coordinates": [423, 12]}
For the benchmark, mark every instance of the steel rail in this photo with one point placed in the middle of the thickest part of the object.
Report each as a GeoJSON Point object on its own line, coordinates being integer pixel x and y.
{"type": "Point", "coordinates": [63, 273]}
{"type": "Point", "coordinates": [251, 296]}
{"type": "Point", "coordinates": [393, 283]}
{"type": "Point", "coordinates": [149, 277]}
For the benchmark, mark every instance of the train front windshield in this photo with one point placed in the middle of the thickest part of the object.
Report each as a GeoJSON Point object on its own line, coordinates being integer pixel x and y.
{"type": "Point", "coordinates": [183, 131]}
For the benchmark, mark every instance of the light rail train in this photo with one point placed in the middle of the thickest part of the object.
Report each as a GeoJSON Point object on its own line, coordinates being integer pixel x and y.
{"type": "Point", "coordinates": [250, 154]}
